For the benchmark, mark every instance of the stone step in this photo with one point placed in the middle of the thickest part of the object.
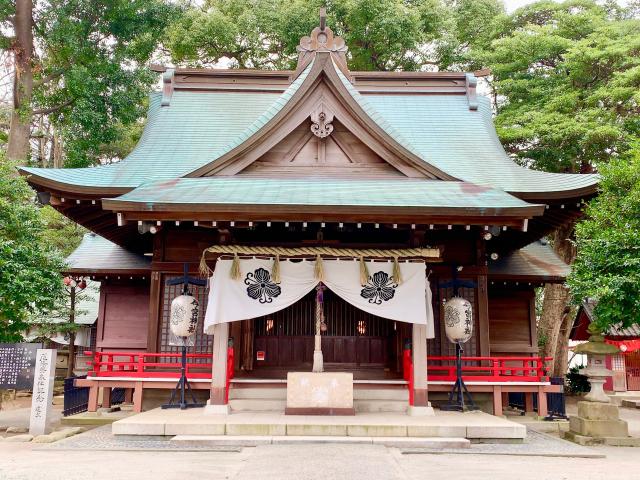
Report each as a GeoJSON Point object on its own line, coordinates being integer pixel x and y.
{"type": "Point", "coordinates": [269, 393]}
{"type": "Point", "coordinates": [435, 443]}
{"type": "Point", "coordinates": [369, 406]}
{"type": "Point", "coordinates": [257, 404]}
{"type": "Point", "coordinates": [275, 393]}
{"type": "Point", "coordinates": [631, 403]}
{"type": "Point", "coordinates": [396, 394]}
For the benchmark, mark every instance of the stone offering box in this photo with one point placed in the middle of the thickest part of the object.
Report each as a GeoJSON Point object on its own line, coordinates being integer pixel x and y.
{"type": "Point", "coordinates": [326, 393]}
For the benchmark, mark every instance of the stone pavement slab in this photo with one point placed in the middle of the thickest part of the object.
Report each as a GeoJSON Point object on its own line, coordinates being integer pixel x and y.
{"type": "Point", "coordinates": [473, 425]}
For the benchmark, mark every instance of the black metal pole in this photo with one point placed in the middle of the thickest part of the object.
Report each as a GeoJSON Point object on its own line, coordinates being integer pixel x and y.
{"type": "Point", "coordinates": [183, 375]}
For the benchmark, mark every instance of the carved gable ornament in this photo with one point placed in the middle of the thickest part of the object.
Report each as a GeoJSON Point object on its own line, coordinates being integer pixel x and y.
{"type": "Point", "coordinates": [322, 40]}
{"type": "Point", "coordinates": [321, 121]}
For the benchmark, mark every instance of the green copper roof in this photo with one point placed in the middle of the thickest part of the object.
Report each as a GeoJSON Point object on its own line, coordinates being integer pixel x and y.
{"type": "Point", "coordinates": [317, 191]}
{"type": "Point", "coordinates": [96, 254]}
{"type": "Point", "coordinates": [536, 260]}
{"type": "Point", "coordinates": [444, 132]}
{"type": "Point", "coordinates": [200, 126]}
{"type": "Point", "coordinates": [193, 130]}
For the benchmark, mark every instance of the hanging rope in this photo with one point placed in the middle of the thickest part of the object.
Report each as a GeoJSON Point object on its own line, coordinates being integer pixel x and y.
{"type": "Point", "coordinates": [397, 274]}
{"type": "Point", "coordinates": [422, 253]}
{"type": "Point", "coordinates": [318, 269]}
{"type": "Point", "coordinates": [364, 272]}
{"type": "Point", "coordinates": [275, 269]}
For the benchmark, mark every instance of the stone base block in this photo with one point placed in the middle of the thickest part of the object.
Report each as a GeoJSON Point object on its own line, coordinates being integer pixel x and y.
{"type": "Point", "coordinates": [414, 411]}
{"type": "Point", "coordinates": [622, 441]}
{"type": "Point", "coordinates": [217, 409]}
{"type": "Point", "coordinates": [598, 411]}
{"type": "Point", "coordinates": [611, 441]}
{"type": "Point", "coordinates": [316, 430]}
{"type": "Point", "coordinates": [598, 428]}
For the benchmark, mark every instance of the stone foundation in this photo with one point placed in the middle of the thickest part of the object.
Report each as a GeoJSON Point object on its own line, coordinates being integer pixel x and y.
{"type": "Point", "coordinates": [599, 423]}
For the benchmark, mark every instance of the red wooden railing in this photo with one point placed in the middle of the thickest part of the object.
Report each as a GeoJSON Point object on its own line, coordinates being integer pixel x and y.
{"type": "Point", "coordinates": [147, 365]}
{"type": "Point", "coordinates": [489, 369]}
{"type": "Point", "coordinates": [440, 368]}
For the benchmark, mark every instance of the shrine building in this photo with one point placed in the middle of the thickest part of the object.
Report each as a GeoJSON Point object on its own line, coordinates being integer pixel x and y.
{"type": "Point", "coordinates": [356, 203]}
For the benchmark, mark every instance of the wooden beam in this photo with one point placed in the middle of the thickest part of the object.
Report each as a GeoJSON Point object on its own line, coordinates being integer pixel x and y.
{"type": "Point", "coordinates": [155, 299]}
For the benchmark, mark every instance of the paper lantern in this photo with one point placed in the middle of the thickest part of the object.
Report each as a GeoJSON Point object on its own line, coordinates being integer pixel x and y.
{"type": "Point", "coordinates": [458, 320]}
{"type": "Point", "coordinates": [184, 316]}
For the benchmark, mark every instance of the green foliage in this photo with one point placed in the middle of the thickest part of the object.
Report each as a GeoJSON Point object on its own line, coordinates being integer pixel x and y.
{"type": "Point", "coordinates": [607, 267]}
{"type": "Point", "coordinates": [101, 46]}
{"type": "Point", "coordinates": [380, 34]}
{"type": "Point", "coordinates": [567, 80]}
{"type": "Point", "coordinates": [61, 234]}
{"type": "Point", "coordinates": [89, 74]}
{"type": "Point", "coordinates": [576, 382]}
{"type": "Point", "coordinates": [30, 281]}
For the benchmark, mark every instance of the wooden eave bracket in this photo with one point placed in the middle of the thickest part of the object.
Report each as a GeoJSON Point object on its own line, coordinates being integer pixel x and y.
{"type": "Point", "coordinates": [471, 82]}
{"type": "Point", "coordinates": [168, 85]}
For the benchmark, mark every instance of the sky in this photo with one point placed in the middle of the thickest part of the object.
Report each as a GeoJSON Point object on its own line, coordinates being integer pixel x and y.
{"type": "Point", "coordinates": [512, 5]}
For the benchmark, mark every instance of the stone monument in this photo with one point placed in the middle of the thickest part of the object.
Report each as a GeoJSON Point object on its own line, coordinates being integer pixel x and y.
{"type": "Point", "coordinates": [43, 378]}
{"type": "Point", "coordinates": [327, 393]}
{"type": "Point", "coordinates": [598, 419]}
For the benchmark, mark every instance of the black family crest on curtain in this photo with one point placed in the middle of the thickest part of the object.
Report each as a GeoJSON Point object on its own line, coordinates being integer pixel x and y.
{"type": "Point", "coordinates": [261, 287]}
{"type": "Point", "coordinates": [380, 287]}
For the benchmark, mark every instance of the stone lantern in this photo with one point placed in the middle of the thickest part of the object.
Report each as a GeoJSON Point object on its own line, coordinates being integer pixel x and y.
{"type": "Point", "coordinates": [596, 372]}
{"type": "Point", "coordinates": [598, 419]}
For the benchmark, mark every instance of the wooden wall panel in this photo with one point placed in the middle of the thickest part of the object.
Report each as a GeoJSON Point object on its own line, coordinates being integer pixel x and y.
{"type": "Point", "coordinates": [123, 317]}
{"type": "Point", "coordinates": [511, 314]}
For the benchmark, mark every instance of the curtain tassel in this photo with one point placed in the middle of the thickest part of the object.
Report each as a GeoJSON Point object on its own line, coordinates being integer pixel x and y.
{"type": "Point", "coordinates": [205, 271]}
{"type": "Point", "coordinates": [397, 274]}
{"type": "Point", "coordinates": [364, 272]}
{"type": "Point", "coordinates": [318, 269]}
{"type": "Point", "coordinates": [275, 269]}
{"type": "Point", "coordinates": [235, 268]}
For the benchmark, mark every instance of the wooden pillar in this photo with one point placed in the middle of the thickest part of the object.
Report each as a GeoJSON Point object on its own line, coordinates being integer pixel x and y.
{"type": "Point", "coordinates": [419, 347]}
{"type": "Point", "coordinates": [542, 402]}
{"type": "Point", "coordinates": [137, 397]}
{"type": "Point", "coordinates": [497, 400]}
{"type": "Point", "coordinates": [219, 371]}
{"type": "Point", "coordinates": [93, 398]}
{"type": "Point", "coordinates": [528, 402]}
{"type": "Point", "coordinates": [128, 395]}
{"type": "Point", "coordinates": [106, 397]}
{"type": "Point", "coordinates": [483, 316]}
{"type": "Point", "coordinates": [154, 311]}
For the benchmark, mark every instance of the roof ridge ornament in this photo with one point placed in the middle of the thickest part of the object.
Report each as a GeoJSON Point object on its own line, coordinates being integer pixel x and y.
{"type": "Point", "coordinates": [321, 39]}
{"type": "Point", "coordinates": [168, 85]}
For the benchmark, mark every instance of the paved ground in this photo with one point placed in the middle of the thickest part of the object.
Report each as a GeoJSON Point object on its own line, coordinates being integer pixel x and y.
{"type": "Point", "coordinates": [302, 462]}
{"type": "Point", "coordinates": [69, 459]}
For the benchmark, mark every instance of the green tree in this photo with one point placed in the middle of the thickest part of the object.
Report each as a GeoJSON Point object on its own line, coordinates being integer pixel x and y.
{"type": "Point", "coordinates": [380, 34]}
{"type": "Point", "coordinates": [567, 84]}
{"type": "Point", "coordinates": [607, 267]}
{"type": "Point", "coordinates": [30, 282]}
{"type": "Point", "coordinates": [80, 63]}
{"type": "Point", "coordinates": [565, 78]}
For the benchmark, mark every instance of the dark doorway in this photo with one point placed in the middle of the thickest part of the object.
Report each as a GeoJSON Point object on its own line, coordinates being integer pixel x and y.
{"type": "Point", "coordinates": [354, 341]}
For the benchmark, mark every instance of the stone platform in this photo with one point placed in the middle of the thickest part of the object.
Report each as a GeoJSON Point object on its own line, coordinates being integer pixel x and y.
{"type": "Point", "coordinates": [475, 426]}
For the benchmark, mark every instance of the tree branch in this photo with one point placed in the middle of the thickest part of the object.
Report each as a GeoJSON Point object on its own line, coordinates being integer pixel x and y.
{"type": "Point", "coordinates": [48, 78]}
{"type": "Point", "coordinates": [47, 111]}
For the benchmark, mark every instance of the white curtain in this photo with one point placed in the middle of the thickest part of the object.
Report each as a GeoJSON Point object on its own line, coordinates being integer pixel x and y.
{"type": "Point", "coordinates": [256, 294]}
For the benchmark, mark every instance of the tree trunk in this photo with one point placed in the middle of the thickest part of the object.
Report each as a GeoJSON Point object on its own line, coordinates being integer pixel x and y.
{"type": "Point", "coordinates": [555, 311]}
{"type": "Point", "coordinates": [21, 114]}
{"type": "Point", "coordinates": [72, 335]}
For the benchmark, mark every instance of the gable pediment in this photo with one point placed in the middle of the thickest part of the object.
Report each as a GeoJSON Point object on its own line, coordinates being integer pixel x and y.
{"type": "Point", "coordinates": [321, 136]}
{"type": "Point", "coordinates": [317, 149]}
